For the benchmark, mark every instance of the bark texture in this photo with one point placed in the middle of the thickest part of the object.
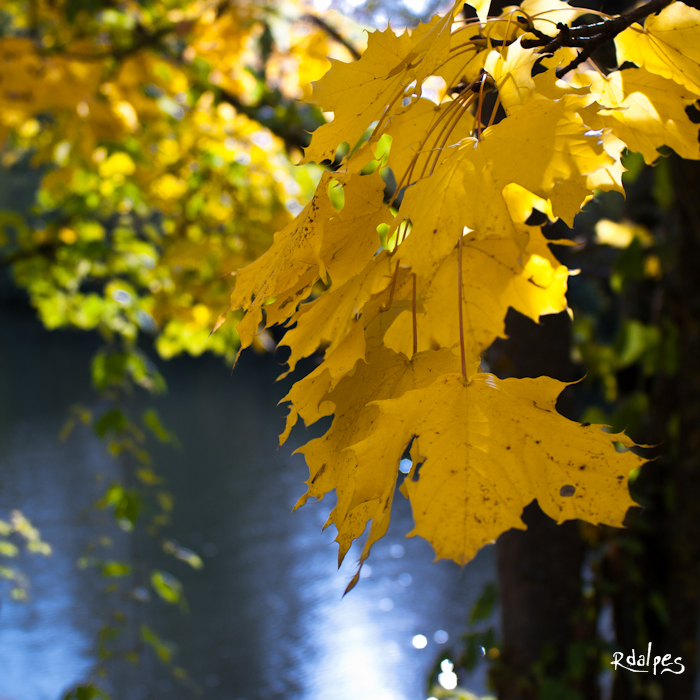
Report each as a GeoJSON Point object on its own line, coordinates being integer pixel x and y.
{"type": "Point", "coordinates": [539, 569]}
{"type": "Point", "coordinates": [683, 503]}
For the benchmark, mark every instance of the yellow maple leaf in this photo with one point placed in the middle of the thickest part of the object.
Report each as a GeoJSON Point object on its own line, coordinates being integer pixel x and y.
{"type": "Point", "coordinates": [465, 60]}
{"type": "Point", "coordinates": [391, 69]}
{"type": "Point", "coordinates": [646, 111]}
{"type": "Point", "coordinates": [357, 93]}
{"type": "Point", "coordinates": [512, 74]}
{"type": "Point", "coordinates": [487, 448]}
{"type": "Point", "coordinates": [431, 43]}
{"type": "Point", "coordinates": [385, 374]}
{"type": "Point", "coordinates": [668, 45]}
{"type": "Point", "coordinates": [411, 128]}
{"type": "Point", "coordinates": [330, 317]}
{"type": "Point", "coordinates": [294, 252]}
{"type": "Point", "coordinates": [547, 14]}
{"type": "Point", "coordinates": [482, 8]}
{"type": "Point", "coordinates": [544, 149]}
{"type": "Point", "coordinates": [496, 275]}
{"type": "Point", "coordinates": [321, 241]}
{"type": "Point", "coordinates": [307, 395]}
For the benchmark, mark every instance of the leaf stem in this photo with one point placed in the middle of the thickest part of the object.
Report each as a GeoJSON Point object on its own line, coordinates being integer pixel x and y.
{"type": "Point", "coordinates": [387, 111]}
{"type": "Point", "coordinates": [496, 105]}
{"type": "Point", "coordinates": [415, 319]}
{"type": "Point", "coordinates": [449, 130]}
{"type": "Point", "coordinates": [393, 286]}
{"type": "Point", "coordinates": [461, 319]}
{"type": "Point", "coordinates": [478, 109]}
{"type": "Point", "coordinates": [424, 142]}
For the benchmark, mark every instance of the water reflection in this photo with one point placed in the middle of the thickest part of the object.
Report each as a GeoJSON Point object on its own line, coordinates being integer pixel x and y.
{"type": "Point", "coordinates": [267, 615]}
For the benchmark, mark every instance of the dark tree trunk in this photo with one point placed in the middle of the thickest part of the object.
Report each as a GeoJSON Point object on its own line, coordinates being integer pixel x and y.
{"type": "Point", "coordinates": [656, 583]}
{"type": "Point", "coordinates": [683, 514]}
{"type": "Point", "coordinates": [539, 569]}
{"type": "Point", "coordinates": [540, 590]}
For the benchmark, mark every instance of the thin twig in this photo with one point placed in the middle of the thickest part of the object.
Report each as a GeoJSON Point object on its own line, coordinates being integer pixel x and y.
{"type": "Point", "coordinates": [335, 34]}
{"type": "Point", "coordinates": [590, 37]}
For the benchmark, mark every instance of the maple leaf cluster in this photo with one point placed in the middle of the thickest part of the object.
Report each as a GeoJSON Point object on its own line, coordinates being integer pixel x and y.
{"type": "Point", "coordinates": [417, 283]}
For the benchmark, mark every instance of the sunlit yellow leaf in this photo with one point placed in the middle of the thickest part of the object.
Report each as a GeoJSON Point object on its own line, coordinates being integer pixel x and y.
{"type": "Point", "coordinates": [358, 92]}
{"type": "Point", "coordinates": [668, 45]}
{"type": "Point", "coordinates": [472, 184]}
{"type": "Point", "coordinates": [294, 252]}
{"type": "Point", "coordinates": [646, 111]}
{"type": "Point", "coordinates": [488, 448]}
{"type": "Point", "coordinates": [512, 74]}
{"type": "Point", "coordinates": [546, 14]}
{"type": "Point", "coordinates": [496, 275]}
{"type": "Point", "coordinates": [621, 235]}
{"type": "Point", "coordinates": [362, 92]}
{"type": "Point", "coordinates": [385, 374]}
{"type": "Point", "coordinates": [482, 8]}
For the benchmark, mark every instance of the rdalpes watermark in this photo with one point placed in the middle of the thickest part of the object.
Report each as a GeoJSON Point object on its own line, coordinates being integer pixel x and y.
{"type": "Point", "coordinates": [645, 664]}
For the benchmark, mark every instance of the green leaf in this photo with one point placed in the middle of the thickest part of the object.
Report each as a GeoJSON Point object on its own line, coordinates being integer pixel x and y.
{"type": "Point", "coordinates": [183, 554]}
{"type": "Point", "coordinates": [113, 420]}
{"type": "Point", "coordinates": [477, 645]}
{"type": "Point", "coordinates": [7, 549]}
{"type": "Point", "coordinates": [151, 420]}
{"type": "Point", "coordinates": [635, 340]}
{"type": "Point", "coordinates": [115, 569]}
{"type": "Point", "coordinates": [127, 504]}
{"type": "Point", "coordinates": [86, 692]}
{"type": "Point", "coordinates": [484, 605]}
{"type": "Point", "coordinates": [166, 586]}
{"type": "Point", "coordinates": [163, 650]}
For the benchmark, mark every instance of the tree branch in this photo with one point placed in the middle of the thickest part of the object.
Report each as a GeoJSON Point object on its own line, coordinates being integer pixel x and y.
{"type": "Point", "coordinates": [46, 250]}
{"type": "Point", "coordinates": [322, 24]}
{"type": "Point", "coordinates": [293, 135]}
{"type": "Point", "coordinates": [145, 40]}
{"type": "Point", "coordinates": [590, 37]}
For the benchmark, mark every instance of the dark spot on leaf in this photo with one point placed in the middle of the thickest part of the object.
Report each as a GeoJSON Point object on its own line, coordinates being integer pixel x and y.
{"type": "Point", "coordinates": [567, 490]}
{"type": "Point", "coordinates": [318, 473]}
{"type": "Point", "coordinates": [582, 467]}
{"type": "Point", "coordinates": [585, 425]}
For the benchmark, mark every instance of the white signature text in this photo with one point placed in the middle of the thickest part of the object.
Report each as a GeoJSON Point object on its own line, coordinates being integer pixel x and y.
{"type": "Point", "coordinates": [644, 664]}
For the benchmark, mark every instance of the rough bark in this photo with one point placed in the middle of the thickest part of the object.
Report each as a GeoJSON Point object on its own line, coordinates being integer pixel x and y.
{"type": "Point", "coordinates": [683, 516]}
{"type": "Point", "coordinates": [656, 584]}
{"type": "Point", "coordinates": [539, 569]}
